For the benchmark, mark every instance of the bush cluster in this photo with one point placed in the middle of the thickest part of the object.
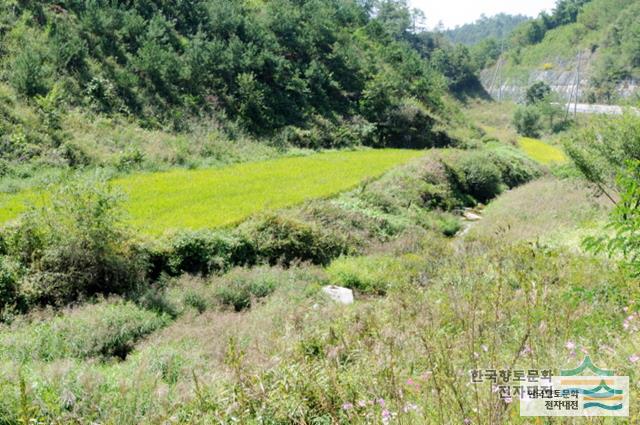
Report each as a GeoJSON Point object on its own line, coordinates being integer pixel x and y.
{"type": "Point", "coordinates": [241, 288]}
{"type": "Point", "coordinates": [106, 329]}
{"type": "Point", "coordinates": [368, 275]}
{"type": "Point", "coordinates": [542, 112]}
{"type": "Point", "coordinates": [482, 175]}
{"type": "Point", "coordinates": [268, 239]}
{"type": "Point", "coordinates": [278, 239]}
{"type": "Point", "coordinates": [77, 244]}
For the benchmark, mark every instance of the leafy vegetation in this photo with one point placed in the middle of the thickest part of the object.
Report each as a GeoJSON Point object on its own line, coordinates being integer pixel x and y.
{"type": "Point", "coordinates": [107, 329]}
{"type": "Point", "coordinates": [287, 347]}
{"type": "Point", "coordinates": [540, 112]}
{"type": "Point", "coordinates": [596, 37]}
{"type": "Point", "coordinates": [136, 294]}
{"type": "Point", "coordinates": [608, 156]}
{"type": "Point", "coordinates": [74, 246]}
{"type": "Point", "coordinates": [496, 28]}
{"type": "Point", "coordinates": [77, 243]}
{"type": "Point", "coordinates": [532, 32]}
{"type": "Point", "coordinates": [310, 74]}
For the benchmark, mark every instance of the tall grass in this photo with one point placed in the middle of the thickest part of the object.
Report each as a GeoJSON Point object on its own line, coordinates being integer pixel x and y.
{"type": "Point", "coordinates": [296, 357]}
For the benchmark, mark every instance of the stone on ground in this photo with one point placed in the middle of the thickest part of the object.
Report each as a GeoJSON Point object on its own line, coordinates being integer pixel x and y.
{"type": "Point", "coordinates": [339, 294]}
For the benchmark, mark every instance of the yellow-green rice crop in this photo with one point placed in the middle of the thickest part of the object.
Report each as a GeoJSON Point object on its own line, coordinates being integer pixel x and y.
{"type": "Point", "coordinates": [195, 199]}
{"type": "Point", "coordinates": [542, 152]}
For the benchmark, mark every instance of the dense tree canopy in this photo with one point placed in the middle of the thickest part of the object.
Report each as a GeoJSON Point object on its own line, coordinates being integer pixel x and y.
{"type": "Point", "coordinates": [496, 27]}
{"type": "Point", "coordinates": [265, 65]}
{"type": "Point", "coordinates": [532, 32]}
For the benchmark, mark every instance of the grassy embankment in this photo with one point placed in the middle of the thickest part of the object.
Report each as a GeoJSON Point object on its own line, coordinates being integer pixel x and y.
{"type": "Point", "coordinates": [495, 121]}
{"type": "Point", "coordinates": [427, 311]}
{"type": "Point", "coordinates": [294, 357]}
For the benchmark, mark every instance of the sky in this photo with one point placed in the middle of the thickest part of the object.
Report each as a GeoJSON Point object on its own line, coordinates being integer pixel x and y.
{"type": "Point", "coordinates": [458, 12]}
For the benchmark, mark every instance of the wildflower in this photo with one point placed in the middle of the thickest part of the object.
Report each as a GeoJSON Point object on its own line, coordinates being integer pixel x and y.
{"type": "Point", "coordinates": [426, 375]}
{"type": "Point", "coordinates": [409, 407]}
{"type": "Point", "coordinates": [634, 359]}
{"type": "Point", "coordinates": [381, 402]}
{"type": "Point", "coordinates": [570, 345]}
{"type": "Point", "coordinates": [526, 350]}
{"type": "Point", "coordinates": [484, 348]}
{"type": "Point", "coordinates": [347, 406]}
{"type": "Point", "coordinates": [413, 384]}
{"type": "Point", "coordinates": [362, 403]}
{"type": "Point", "coordinates": [476, 355]}
{"type": "Point", "coordinates": [467, 421]}
{"type": "Point", "coordinates": [508, 400]}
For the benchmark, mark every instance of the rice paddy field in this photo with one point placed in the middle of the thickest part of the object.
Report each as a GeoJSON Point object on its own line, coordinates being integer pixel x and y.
{"type": "Point", "coordinates": [542, 152]}
{"type": "Point", "coordinates": [208, 198]}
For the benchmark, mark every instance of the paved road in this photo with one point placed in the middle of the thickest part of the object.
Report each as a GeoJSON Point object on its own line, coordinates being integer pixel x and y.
{"type": "Point", "coordinates": [586, 108]}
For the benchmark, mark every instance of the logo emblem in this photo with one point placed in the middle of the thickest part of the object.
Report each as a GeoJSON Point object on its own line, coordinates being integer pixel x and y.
{"type": "Point", "coordinates": [584, 391]}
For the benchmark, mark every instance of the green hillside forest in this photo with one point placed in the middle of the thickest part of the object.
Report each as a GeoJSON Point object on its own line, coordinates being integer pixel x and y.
{"type": "Point", "coordinates": [314, 212]}
{"type": "Point", "coordinates": [596, 41]}
{"type": "Point", "coordinates": [488, 28]}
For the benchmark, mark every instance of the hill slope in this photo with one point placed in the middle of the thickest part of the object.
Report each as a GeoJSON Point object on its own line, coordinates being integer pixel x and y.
{"type": "Point", "coordinates": [595, 48]}
{"type": "Point", "coordinates": [312, 74]}
{"type": "Point", "coordinates": [497, 27]}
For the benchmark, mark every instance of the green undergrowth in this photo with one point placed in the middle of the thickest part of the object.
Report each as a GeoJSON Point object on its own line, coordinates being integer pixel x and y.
{"type": "Point", "coordinates": [295, 357]}
{"type": "Point", "coordinates": [54, 255]}
{"type": "Point", "coordinates": [227, 342]}
{"type": "Point", "coordinates": [550, 210]}
{"type": "Point", "coordinates": [106, 329]}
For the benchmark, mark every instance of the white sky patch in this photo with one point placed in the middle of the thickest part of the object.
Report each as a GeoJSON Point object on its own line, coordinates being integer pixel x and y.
{"type": "Point", "coordinates": [457, 12]}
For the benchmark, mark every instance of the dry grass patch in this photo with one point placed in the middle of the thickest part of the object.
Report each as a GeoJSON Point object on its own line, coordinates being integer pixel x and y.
{"type": "Point", "coordinates": [550, 210]}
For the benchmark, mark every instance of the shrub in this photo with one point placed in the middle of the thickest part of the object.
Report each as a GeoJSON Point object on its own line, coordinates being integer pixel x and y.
{"type": "Point", "coordinates": [538, 92]}
{"type": "Point", "coordinates": [527, 121]}
{"type": "Point", "coordinates": [74, 155]}
{"type": "Point", "coordinates": [75, 245]}
{"type": "Point", "coordinates": [478, 176]}
{"type": "Point", "coordinates": [280, 239]}
{"type": "Point", "coordinates": [204, 252]}
{"type": "Point", "coordinates": [369, 275]}
{"type": "Point", "coordinates": [515, 168]}
{"type": "Point", "coordinates": [239, 288]}
{"type": "Point", "coordinates": [9, 285]}
{"type": "Point", "coordinates": [448, 224]}
{"type": "Point", "coordinates": [28, 73]}
{"type": "Point", "coordinates": [411, 125]}
{"type": "Point", "coordinates": [130, 159]}
{"type": "Point", "coordinates": [106, 329]}
{"type": "Point", "coordinates": [624, 223]}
